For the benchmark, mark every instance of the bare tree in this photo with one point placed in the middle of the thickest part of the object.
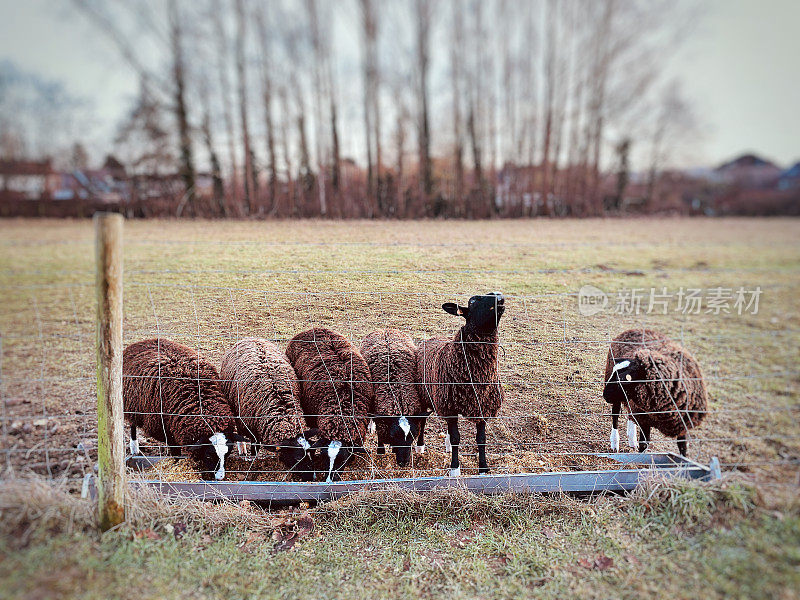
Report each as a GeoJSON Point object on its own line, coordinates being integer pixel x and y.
{"type": "Point", "coordinates": [424, 17]}
{"type": "Point", "coordinates": [222, 61]}
{"type": "Point", "coordinates": [241, 73]}
{"type": "Point", "coordinates": [267, 94]}
{"type": "Point", "coordinates": [457, 52]}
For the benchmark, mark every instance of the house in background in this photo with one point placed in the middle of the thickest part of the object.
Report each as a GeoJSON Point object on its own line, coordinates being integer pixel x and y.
{"type": "Point", "coordinates": [790, 178]}
{"type": "Point", "coordinates": [27, 179]}
{"type": "Point", "coordinates": [749, 171]}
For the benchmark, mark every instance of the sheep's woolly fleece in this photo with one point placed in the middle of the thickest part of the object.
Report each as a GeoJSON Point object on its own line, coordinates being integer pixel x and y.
{"type": "Point", "coordinates": [392, 357]}
{"type": "Point", "coordinates": [460, 374]}
{"type": "Point", "coordinates": [263, 391]}
{"type": "Point", "coordinates": [336, 390]}
{"type": "Point", "coordinates": [673, 390]}
{"type": "Point", "coordinates": [173, 394]}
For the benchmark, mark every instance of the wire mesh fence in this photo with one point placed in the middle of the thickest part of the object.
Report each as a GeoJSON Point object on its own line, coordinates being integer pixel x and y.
{"type": "Point", "coordinates": [208, 294]}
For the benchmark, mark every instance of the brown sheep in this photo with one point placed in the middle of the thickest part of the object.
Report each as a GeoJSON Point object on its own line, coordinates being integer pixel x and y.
{"type": "Point", "coordinates": [460, 375]}
{"type": "Point", "coordinates": [174, 395]}
{"type": "Point", "coordinates": [335, 392]}
{"type": "Point", "coordinates": [659, 382]}
{"type": "Point", "coordinates": [262, 389]}
{"type": "Point", "coordinates": [399, 413]}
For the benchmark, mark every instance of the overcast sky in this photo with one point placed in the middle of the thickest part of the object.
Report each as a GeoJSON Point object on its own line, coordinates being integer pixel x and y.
{"type": "Point", "coordinates": [739, 66]}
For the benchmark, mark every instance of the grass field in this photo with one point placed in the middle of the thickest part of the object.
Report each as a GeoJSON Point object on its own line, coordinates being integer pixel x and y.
{"type": "Point", "coordinates": [208, 283]}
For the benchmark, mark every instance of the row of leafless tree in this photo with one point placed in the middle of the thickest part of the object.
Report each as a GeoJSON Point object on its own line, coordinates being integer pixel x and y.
{"type": "Point", "coordinates": [398, 108]}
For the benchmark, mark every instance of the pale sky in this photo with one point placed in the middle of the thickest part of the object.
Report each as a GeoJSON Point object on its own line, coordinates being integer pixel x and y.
{"type": "Point", "coordinates": [739, 67]}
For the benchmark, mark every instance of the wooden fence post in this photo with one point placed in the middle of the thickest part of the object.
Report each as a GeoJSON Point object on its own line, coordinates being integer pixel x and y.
{"type": "Point", "coordinates": [110, 446]}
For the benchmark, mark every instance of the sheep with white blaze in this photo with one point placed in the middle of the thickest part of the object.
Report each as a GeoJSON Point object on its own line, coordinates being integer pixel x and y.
{"type": "Point", "coordinates": [263, 391]}
{"type": "Point", "coordinates": [399, 411]}
{"type": "Point", "coordinates": [660, 384]}
{"type": "Point", "coordinates": [174, 395]}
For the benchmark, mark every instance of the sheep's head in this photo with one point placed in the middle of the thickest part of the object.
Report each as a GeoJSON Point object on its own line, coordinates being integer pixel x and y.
{"type": "Point", "coordinates": [627, 373]}
{"type": "Point", "coordinates": [332, 456]}
{"type": "Point", "coordinates": [482, 313]}
{"type": "Point", "coordinates": [210, 453]}
{"type": "Point", "coordinates": [400, 433]}
{"type": "Point", "coordinates": [297, 453]}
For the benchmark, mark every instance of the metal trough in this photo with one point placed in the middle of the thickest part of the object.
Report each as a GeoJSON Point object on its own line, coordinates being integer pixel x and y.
{"type": "Point", "coordinates": [667, 465]}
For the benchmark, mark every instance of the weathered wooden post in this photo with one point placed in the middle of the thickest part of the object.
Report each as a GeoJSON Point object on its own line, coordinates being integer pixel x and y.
{"type": "Point", "coordinates": [110, 446]}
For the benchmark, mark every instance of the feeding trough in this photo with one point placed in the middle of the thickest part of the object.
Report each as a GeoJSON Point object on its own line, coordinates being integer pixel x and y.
{"type": "Point", "coordinates": [664, 465]}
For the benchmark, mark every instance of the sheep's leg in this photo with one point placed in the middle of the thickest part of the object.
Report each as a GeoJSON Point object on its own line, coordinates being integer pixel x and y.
{"type": "Point", "coordinates": [420, 447]}
{"type": "Point", "coordinates": [454, 438]}
{"type": "Point", "coordinates": [134, 445]}
{"type": "Point", "coordinates": [381, 447]}
{"type": "Point", "coordinates": [614, 439]}
{"type": "Point", "coordinates": [644, 441]}
{"type": "Point", "coordinates": [480, 438]}
{"type": "Point", "coordinates": [682, 443]}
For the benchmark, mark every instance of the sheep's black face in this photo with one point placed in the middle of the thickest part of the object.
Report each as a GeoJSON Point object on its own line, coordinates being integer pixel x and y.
{"type": "Point", "coordinates": [211, 452]}
{"type": "Point", "coordinates": [333, 456]}
{"type": "Point", "coordinates": [482, 313]}
{"type": "Point", "coordinates": [297, 455]}
{"type": "Point", "coordinates": [401, 435]}
{"type": "Point", "coordinates": [626, 376]}
{"type": "Point", "coordinates": [206, 456]}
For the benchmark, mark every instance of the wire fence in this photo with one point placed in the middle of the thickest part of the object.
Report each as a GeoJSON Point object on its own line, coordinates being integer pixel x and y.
{"type": "Point", "coordinates": [551, 357]}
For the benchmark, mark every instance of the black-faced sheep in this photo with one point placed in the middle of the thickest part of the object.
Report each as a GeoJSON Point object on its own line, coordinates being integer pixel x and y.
{"type": "Point", "coordinates": [460, 375]}
{"type": "Point", "coordinates": [335, 392]}
{"type": "Point", "coordinates": [399, 412]}
{"type": "Point", "coordinates": [659, 383]}
{"type": "Point", "coordinates": [174, 395]}
{"type": "Point", "coordinates": [262, 389]}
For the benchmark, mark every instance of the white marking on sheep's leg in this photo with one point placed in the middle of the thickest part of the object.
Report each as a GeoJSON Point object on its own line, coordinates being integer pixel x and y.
{"type": "Point", "coordinates": [447, 446]}
{"type": "Point", "coordinates": [220, 443]}
{"type": "Point", "coordinates": [455, 472]}
{"type": "Point", "coordinates": [615, 440]}
{"type": "Point", "coordinates": [419, 449]}
{"type": "Point", "coordinates": [633, 438]}
{"type": "Point", "coordinates": [371, 428]}
{"type": "Point", "coordinates": [134, 445]}
{"type": "Point", "coordinates": [333, 451]}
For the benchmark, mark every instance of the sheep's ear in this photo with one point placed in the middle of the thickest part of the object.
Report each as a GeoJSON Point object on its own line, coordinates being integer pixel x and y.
{"type": "Point", "coordinates": [455, 309]}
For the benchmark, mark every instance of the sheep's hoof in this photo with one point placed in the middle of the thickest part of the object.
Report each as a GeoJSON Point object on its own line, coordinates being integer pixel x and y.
{"type": "Point", "coordinates": [455, 472]}
{"type": "Point", "coordinates": [483, 470]}
{"type": "Point", "coordinates": [614, 440]}
{"type": "Point", "coordinates": [419, 449]}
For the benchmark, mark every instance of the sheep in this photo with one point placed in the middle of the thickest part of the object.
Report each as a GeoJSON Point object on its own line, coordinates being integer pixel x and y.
{"type": "Point", "coordinates": [460, 374]}
{"type": "Point", "coordinates": [335, 392]}
{"type": "Point", "coordinates": [659, 382]}
{"type": "Point", "coordinates": [262, 390]}
{"type": "Point", "coordinates": [174, 395]}
{"type": "Point", "coordinates": [392, 357]}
